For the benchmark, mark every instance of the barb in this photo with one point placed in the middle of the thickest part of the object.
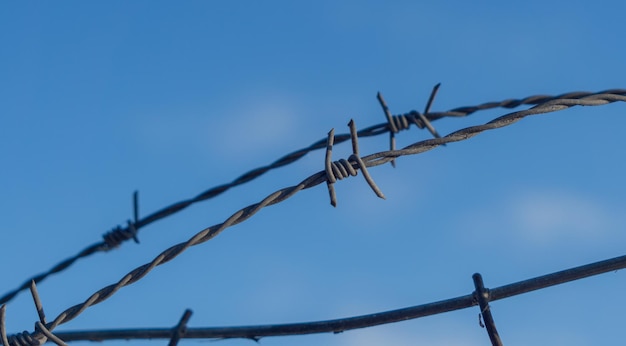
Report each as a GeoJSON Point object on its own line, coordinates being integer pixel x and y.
{"type": "Point", "coordinates": [363, 321]}
{"type": "Point", "coordinates": [118, 235]}
{"type": "Point", "coordinates": [42, 333]}
{"type": "Point", "coordinates": [318, 178]}
{"type": "Point", "coordinates": [345, 168]}
{"type": "Point", "coordinates": [482, 297]}
{"type": "Point", "coordinates": [41, 324]}
{"type": "Point", "coordinates": [403, 121]}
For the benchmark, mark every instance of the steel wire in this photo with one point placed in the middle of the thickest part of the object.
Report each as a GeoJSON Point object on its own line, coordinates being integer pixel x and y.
{"type": "Point", "coordinates": [120, 234]}
{"type": "Point", "coordinates": [363, 321]}
{"type": "Point", "coordinates": [320, 177]}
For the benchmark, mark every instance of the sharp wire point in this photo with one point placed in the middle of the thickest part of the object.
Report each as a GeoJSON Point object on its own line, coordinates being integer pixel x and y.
{"type": "Point", "coordinates": [383, 104]}
{"type": "Point", "coordinates": [424, 116]}
{"type": "Point", "coordinates": [37, 300]}
{"type": "Point", "coordinates": [361, 164]}
{"type": "Point", "coordinates": [431, 98]}
{"type": "Point", "coordinates": [134, 226]}
{"type": "Point", "coordinates": [136, 206]}
{"type": "Point", "coordinates": [353, 137]}
{"type": "Point", "coordinates": [393, 129]}
{"type": "Point", "coordinates": [330, 176]}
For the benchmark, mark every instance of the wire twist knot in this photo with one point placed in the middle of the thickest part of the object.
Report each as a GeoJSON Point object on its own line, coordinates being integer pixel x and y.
{"type": "Point", "coordinates": [341, 169]}
{"type": "Point", "coordinates": [25, 339]}
{"type": "Point", "coordinates": [401, 122]}
{"type": "Point", "coordinates": [118, 235]}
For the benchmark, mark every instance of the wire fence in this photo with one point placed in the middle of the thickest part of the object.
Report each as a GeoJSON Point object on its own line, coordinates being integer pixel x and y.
{"type": "Point", "coordinates": [334, 170]}
{"type": "Point", "coordinates": [395, 123]}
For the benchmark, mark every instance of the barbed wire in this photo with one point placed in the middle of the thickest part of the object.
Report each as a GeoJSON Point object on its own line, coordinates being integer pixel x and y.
{"type": "Point", "coordinates": [394, 124]}
{"type": "Point", "coordinates": [379, 318]}
{"type": "Point", "coordinates": [354, 163]}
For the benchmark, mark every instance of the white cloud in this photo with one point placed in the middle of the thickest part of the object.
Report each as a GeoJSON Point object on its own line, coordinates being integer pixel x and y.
{"type": "Point", "coordinates": [544, 216]}
{"type": "Point", "coordinates": [253, 123]}
{"type": "Point", "coordinates": [260, 122]}
{"type": "Point", "coordinates": [541, 217]}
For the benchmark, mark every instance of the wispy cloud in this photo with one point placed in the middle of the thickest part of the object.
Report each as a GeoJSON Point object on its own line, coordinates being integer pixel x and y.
{"type": "Point", "coordinates": [542, 216]}
{"type": "Point", "coordinates": [259, 122]}
{"type": "Point", "coordinates": [548, 215]}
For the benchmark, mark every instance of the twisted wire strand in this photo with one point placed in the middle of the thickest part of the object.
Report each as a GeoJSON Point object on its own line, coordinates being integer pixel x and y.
{"type": "Point", "coordinates": [119, 234]}
{"type": "Point", "coordinates": [318, 178]}
{"type": "Point", "coordinates": [26, 339]}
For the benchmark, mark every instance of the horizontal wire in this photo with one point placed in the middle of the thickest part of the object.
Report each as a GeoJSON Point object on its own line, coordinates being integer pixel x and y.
{"type": "Point", "coordinates": [318, 178]}
{"type": "Point", "coordinates": [363, 321]}
{"type": "Point", "coordinates": [121, 234]}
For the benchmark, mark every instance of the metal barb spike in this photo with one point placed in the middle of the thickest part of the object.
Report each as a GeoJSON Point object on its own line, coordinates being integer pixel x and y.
{"type": "Point", "coordinates": [330, 176]}
{"type": "Point", "coordinates": [361, 164]}
{"type": "Point", "coordinates": [429, 104]}
{"type": "Point", "coordinates": [393, 129]}
{"type": "Point", "coordinates": [37, 300]}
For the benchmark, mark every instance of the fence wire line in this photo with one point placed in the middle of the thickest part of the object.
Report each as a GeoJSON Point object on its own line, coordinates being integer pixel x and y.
{"type": "Point", "coordinates": [321, 177]}
{"type": "Point", "coordinates": [120, 234]}
{"type": "Point", "coordinates": [356, 322]}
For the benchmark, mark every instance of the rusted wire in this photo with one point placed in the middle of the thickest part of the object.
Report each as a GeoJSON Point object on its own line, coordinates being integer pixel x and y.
{"type": "Point", "coordinates": [120, 234]}
{"type": "Point", "coordinates": [318, 178]}
{"type": "Point", "coordinates": [363, 321]}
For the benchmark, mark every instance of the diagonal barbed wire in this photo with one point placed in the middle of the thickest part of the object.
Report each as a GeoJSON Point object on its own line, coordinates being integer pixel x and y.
{"type": "Point", "coordinates": [394, 124]}
{"type": "Point", "coordinates": [357, 322]}
{"type": "Point", "coordinates": [321, 177]}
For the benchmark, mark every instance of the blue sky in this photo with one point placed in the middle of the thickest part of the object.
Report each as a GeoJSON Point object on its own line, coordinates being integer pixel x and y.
{"type": "Point", "coordinates": [100, 99]}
